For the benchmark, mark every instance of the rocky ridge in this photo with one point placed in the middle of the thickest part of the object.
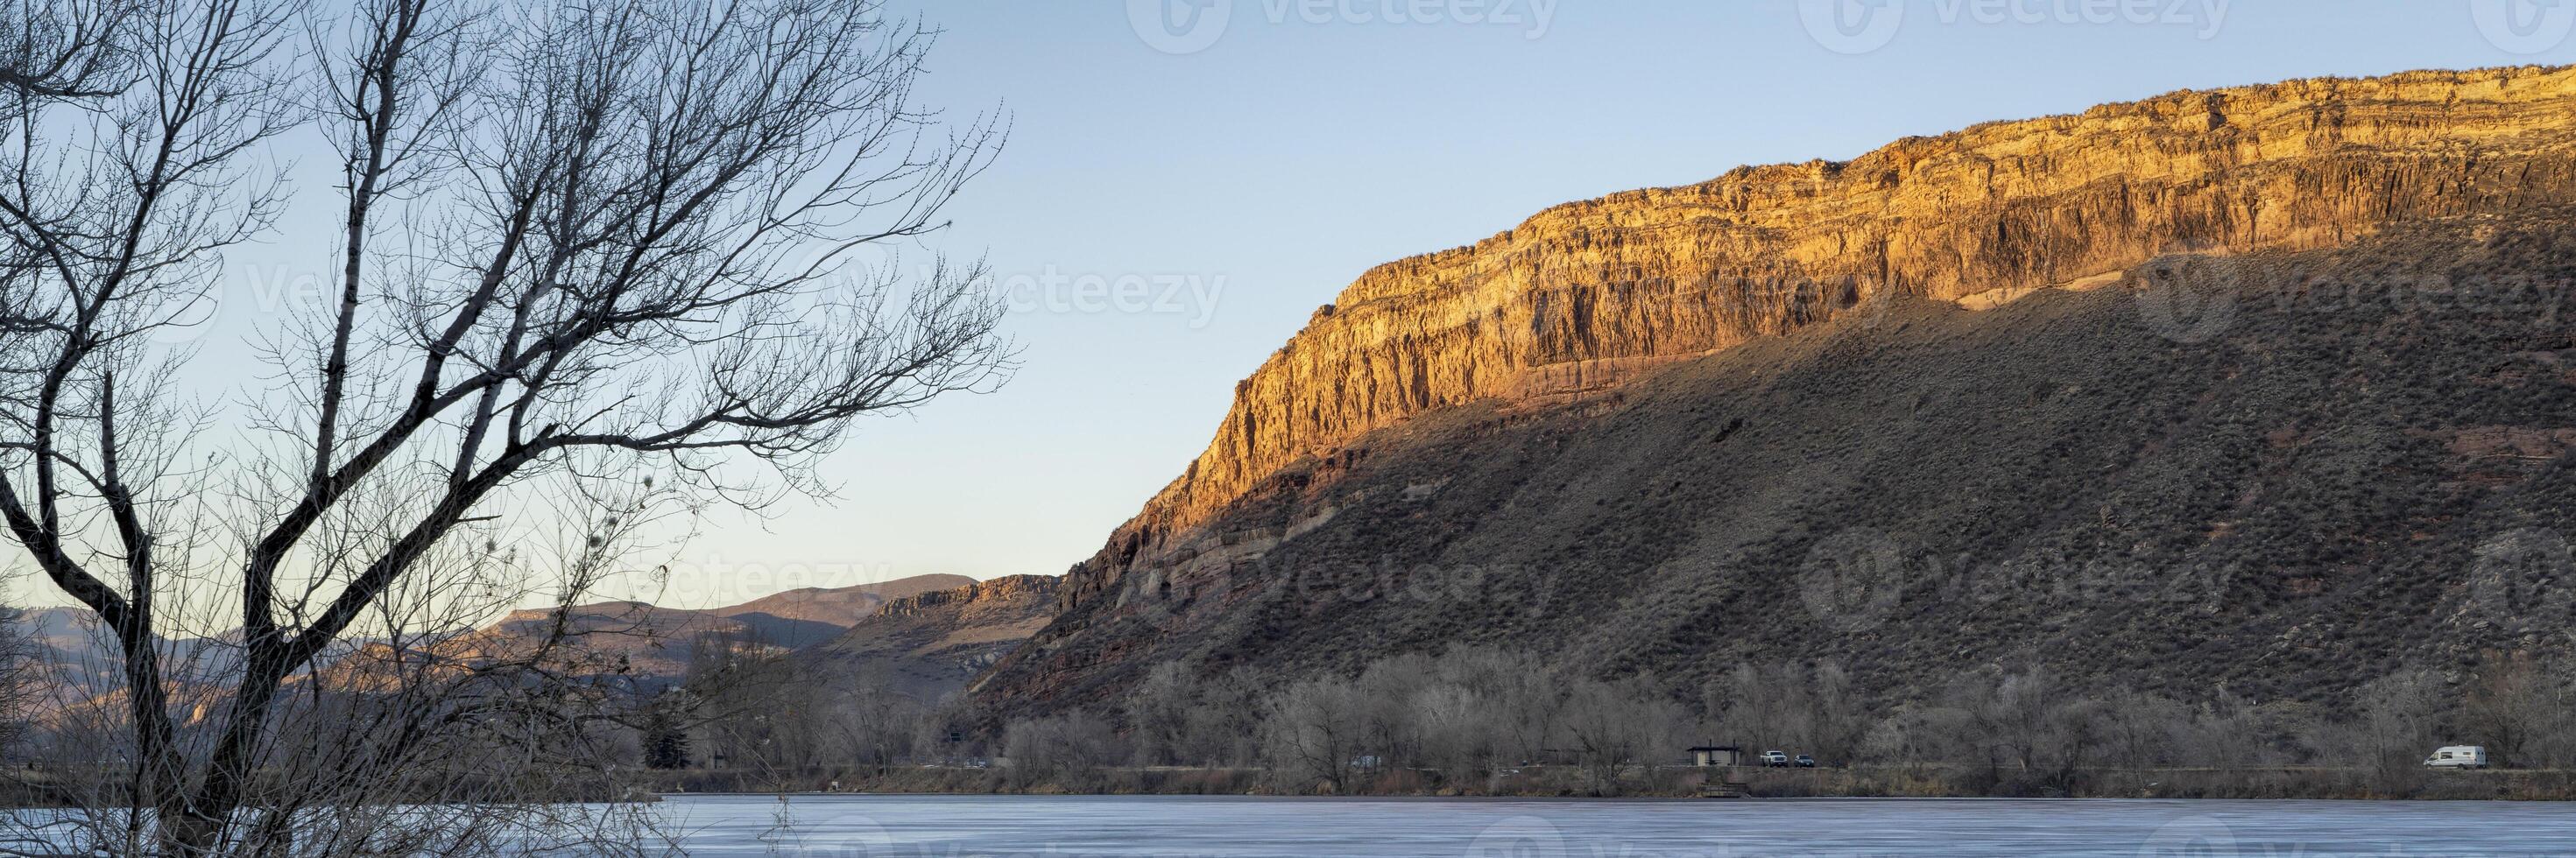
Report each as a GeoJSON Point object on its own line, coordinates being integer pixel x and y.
{"type": "Point", "coordinates": [1584, 294]}
{"type": "Point", "coordinates": [929, 645]}
{"type": "Point", "coordinates": [1581, 301]}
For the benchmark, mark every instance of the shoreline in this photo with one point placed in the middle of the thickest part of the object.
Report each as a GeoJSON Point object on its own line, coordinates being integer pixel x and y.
{"type": "Point", "coordinates": [1623, 799]}
{"type": "Point", "coordinates": [1665, 784]}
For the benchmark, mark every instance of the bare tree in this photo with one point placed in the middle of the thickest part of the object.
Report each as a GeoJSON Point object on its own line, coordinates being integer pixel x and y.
{"type": "Point", "coordinates": [594, 260]}
{"type": "Point", "coordinates": [1158, 714]}
{"type": "Point", "coordinates": [2142, 729]}
{"type": "Point", "coordinates": [1914, 737]}
{"type": "Point", "coordinates": [1390, 725]}
{"type": "Point", "coordinates": [738, 701]}
{"type": "Point", "coordinates": [2397, 718]}
{"type": "Point", "coordinates": [1612, 726]}
{"type": "Point", "coordinates": [1462, 730]}
{"type": "Point", "coordinates": [1528, 701]}
{"type": "Point", "coordinates": [2515, 704]}
{"type": "Point", "coordinates": [1223, 726]}
{"type": "Point", "coordinates": [2226, 730]}
{"type": "Point", "coordinates": [875, 728]}
{"type": "Point", "coordinates": [2011, 714]}
{"type": "Point", "coordinates": [1065, 751]}
{"type": "Point", "coordinates": [1311, 734]}
{"type": "Point", "coordinates": [1767, 705]}
{"type": "Point", "coordinates": [2074, 729]}
{"type": "Point", "coordinates": [23, 677]}
{"type": "Point", "coordinates": [432, 739]}
{"type": "Point", "coordinates": [1841, 721]}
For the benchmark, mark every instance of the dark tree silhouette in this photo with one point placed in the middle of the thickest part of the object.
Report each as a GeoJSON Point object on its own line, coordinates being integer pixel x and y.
{"type": "Point", "coordinates": [593, 267]}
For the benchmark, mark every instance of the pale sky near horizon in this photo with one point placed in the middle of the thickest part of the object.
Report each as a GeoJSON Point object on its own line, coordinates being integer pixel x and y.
{"type": "Point", "coordinates": [1246, 168]}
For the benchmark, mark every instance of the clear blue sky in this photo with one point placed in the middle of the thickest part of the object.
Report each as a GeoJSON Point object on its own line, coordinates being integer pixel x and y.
{"type": "Point", "coordinates": [1278, 160]}
{"type": "Point", "coordinates": [1288, 157]}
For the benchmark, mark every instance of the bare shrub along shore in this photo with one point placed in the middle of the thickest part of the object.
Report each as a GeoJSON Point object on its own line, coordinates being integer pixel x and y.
{"type": "Point", "coordinates": [1490, 722]}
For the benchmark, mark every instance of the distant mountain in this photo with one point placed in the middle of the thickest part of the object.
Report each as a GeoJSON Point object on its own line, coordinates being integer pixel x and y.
{"type": "Point", "coordinates": [629, 637]}
{"type": "Point", "coordinates": [930, 645]}
{"type": "Point", "coordinates": [86, 659]}
{"type": "Point", "coordinates": [63, 629]}
{"type": "Point", "coordinates": [811, 615]}
{"type": "Point", "coordinates": [633, 638]}
{"type": "Point", "coordinates": [69, 642]}
{"type": "Point", "coordinates": [67, 635]}
{"type": "Point", "coordinates": [648, 641]}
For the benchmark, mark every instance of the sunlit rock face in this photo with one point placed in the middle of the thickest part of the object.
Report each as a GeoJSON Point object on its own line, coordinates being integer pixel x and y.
{"type": "Point", "coordinates": [1765, 250]}
{"type": "Point", "coordinates": [1590, 295]}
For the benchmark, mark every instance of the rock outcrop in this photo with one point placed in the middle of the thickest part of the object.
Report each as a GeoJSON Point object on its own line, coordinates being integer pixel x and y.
{"type": "Point", "coordinates": [810, 615]}
{"type": "Point", "coordinates": [1574, 297]}
{"type": "Point", "coordinates": [1521, 343]}
{"type": "Point", "coordinates": [929, 645]}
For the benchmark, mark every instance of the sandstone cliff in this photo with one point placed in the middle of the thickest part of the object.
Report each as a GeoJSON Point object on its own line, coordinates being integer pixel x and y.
{"type": "Point", "coordinates": [1614, 431]}
{"type": "Point", "coordinates": [1583, 293]}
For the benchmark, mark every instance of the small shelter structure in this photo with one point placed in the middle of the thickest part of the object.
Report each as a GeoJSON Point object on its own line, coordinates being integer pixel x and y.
{"type": "Point", "coordinates": [1708, 756]}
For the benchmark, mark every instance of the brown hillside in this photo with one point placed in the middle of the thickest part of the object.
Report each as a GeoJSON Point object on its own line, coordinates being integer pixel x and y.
{"type": "Point", "coordinates": [810, 615]}
{"type": "Point", "coordinates": [647, 641]}
{"type": "Point", "coordinates": [929, 645]}
{"type": "Point", "coordinates": [842, 606]}
{"type": "Point", "coordinates": [2298, 416]}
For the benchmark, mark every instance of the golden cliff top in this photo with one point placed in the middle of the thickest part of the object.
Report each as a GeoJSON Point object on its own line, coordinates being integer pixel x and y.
{"type": "Point", "coordinates": [1581, 293]}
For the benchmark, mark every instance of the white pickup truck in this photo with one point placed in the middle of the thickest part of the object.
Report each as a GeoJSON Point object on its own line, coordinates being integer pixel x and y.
{"type": "Point", "coordinates": [2458, 757]}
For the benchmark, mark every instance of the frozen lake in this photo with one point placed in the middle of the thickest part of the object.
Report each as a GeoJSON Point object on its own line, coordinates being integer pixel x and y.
{"type": "Point", "coordinates": [890, 826]}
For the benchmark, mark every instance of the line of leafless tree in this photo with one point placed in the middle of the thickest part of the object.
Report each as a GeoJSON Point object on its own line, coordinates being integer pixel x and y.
{"type": "Point", "coordinates": [590, 271]}
{"type": "Point", "coordinates": [1466, 719]}
{"type": "Point", "coordinates": [1485, 721]}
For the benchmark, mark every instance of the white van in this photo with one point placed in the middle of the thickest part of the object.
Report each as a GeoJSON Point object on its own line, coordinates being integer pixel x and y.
{"type": "Point", "coordinates": [2458, 757]}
